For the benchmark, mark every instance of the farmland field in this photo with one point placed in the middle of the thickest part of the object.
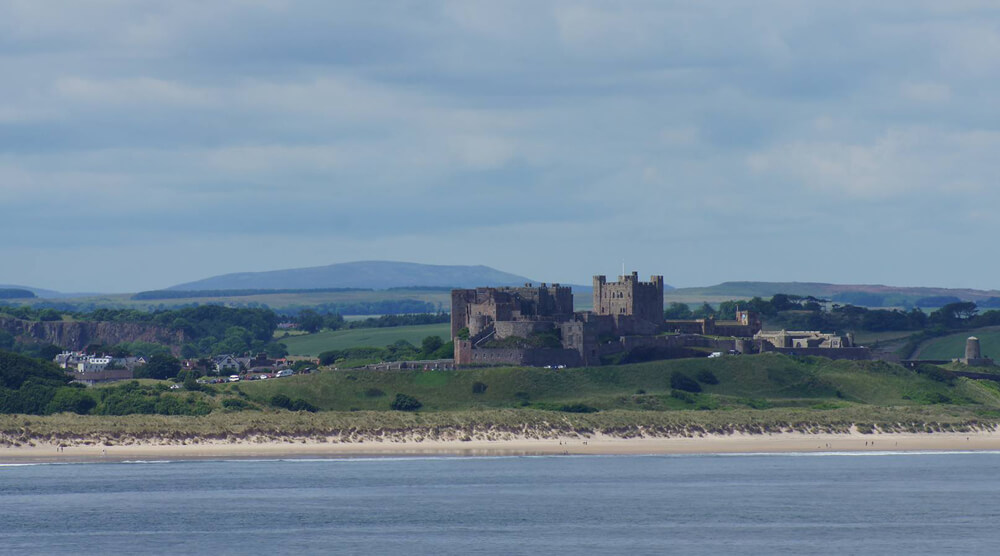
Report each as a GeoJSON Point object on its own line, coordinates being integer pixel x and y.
{"type": "Point", "coordinates": [314, 344]}
{"type": "Point", "coordinates": [953, 346]}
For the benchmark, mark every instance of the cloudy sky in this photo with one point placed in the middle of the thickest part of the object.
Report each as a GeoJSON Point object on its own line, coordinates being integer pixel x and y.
{"type": "Point", "coordinates": [143, 144]}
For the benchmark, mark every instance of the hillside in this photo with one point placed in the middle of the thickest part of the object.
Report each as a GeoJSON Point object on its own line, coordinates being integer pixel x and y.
{"type": "Point", "coordinates": [758, 382]}
{"type": "Point", "coordinates": [39, 292]}
{"type": "Point", "coordinates": [953, 345]}
{"type": "Point", "coordinates": [377, 275]}
{"type": "Point", "coordinates": [856, 294]}
{"type": "Point", "coordinates": [312, 345]}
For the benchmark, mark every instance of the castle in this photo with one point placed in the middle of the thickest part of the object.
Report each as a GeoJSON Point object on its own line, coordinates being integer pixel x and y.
{"type": "Point", "coordinates": [536, 325]}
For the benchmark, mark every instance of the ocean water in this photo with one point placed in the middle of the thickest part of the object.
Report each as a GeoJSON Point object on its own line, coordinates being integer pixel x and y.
{"type": "Point", "coordinates": [705, 504]}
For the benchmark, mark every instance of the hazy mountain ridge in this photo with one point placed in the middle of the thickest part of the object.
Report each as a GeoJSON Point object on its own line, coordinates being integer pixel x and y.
{"type": "Point", "coordinates": [378, 275]}
{"type": "Point", "coordinates": [835, 292]}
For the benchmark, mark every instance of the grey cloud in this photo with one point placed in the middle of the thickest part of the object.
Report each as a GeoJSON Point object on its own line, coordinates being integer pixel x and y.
{"type": "Point", "coordinates": [658, 130]}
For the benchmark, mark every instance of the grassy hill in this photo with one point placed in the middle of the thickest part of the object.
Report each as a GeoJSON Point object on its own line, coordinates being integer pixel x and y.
{"type": "Point", "coordinates": [753, 394]}
{"type": "Point", "coordinates": [953, 346]}
{"type": "Point", "coordinates": [314, 344]}
{"type": "Point", "coordinates": [869, 295]}
{"type": "Point", "coordinates": [761, 381]}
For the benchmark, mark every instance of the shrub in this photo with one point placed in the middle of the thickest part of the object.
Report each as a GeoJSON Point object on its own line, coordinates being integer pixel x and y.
{"type": "Point", "coordinates": [236, 404]}
{"type": "Point", "coordinates": [405, 403]}
{"type": "Point", "coordinates": [479, 388]}
{"type": "Point", "coordinates": [280, 400]}
{"type": "Point", "coordinates": [301, 405]}
{"type": "Point", "coordinates": [706, 376]}
{"type": "Point", "coordinates": [71, 400]}
{"type": "Point", "coordinates": [328, 357]}
{"type": "Point", "coordinates": [578, 408]}
{"type": "Point", "coordinates": [682, 396]}
{"type": "Point", "coordinates": [681, 381]}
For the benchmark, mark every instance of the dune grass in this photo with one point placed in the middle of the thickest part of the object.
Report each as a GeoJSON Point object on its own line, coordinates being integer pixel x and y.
{"type": "Point", "coordinates": [753, 394]}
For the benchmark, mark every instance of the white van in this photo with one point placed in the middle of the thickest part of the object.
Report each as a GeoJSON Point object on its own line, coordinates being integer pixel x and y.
{"type": "Point", "coordinates": [284, 372]}
{"type": "Point", "coordinates": [234, 378]}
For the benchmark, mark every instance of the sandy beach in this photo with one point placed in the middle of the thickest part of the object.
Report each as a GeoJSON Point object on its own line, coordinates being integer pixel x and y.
{"type": "Point", "coordinates": [596, 445]}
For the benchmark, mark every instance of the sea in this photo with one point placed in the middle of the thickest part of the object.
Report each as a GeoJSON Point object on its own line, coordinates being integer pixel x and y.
{"type": "Point", "coordinates": [837, 503]}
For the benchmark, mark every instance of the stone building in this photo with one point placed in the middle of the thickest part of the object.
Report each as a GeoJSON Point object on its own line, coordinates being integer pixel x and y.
{"type": "Point", "coordinates": [630, 297]}
{"type": "Point", "coordinates": [745, 325]}
{"type": "Point", "coordinates": [537, 325]}
{"type": "Point", "coordinates": [479, 309]}
{"type": "Point", "coordinates": [804, 339]}
{"type": "Point", "coordinates": [974, 354]}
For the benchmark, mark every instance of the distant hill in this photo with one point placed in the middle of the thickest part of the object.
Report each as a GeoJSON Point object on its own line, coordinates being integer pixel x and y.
{"type": "Point", "coordinates": [377, 275]}
{"type": "Point", "coordinates": [39, 292]}
{"type": "Point", "coordinates": [16, 293]}
{"type": "Point", "coordinates": [855, 294]}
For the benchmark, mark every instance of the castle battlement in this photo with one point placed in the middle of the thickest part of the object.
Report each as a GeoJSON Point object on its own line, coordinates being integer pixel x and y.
{"type": "Point", "coordinates": [630, 297]}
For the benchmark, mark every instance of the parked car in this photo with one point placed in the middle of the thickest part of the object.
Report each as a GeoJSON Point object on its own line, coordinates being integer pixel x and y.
{"type": "Point", "coordinates": [284, 372]}
{"type": "Point", "coordinates": [234, 378]}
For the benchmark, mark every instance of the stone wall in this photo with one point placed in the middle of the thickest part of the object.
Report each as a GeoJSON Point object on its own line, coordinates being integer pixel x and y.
{"type": "Point", "coordinates": [521, 329]}
{"type": "Point", "coordinates": [522, 357]}
{"type": "Point", "coordinates": [849, 353]}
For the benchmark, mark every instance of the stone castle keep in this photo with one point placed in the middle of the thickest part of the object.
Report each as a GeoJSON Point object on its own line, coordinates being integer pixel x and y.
{"type": "Point", "coordinates": [536, 325]}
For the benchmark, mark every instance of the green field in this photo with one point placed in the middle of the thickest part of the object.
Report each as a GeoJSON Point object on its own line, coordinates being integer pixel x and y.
{"type": "Point", "coordinates": [314, 344]}
{"type": "Point", "coordinates": [760, 381]}
{"type": "Point", "coordinates": [441, 299]}
{"type": "Point", "coordinates": [953, 346]}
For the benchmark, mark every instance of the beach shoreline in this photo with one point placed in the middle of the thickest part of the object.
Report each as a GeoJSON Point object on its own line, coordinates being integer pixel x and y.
{"type": "Point", "coordinates": [597, 444]}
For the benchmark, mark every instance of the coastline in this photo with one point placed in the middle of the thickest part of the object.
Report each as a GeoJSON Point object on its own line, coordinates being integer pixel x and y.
{"type": "Point", "coordinates": [596, 444]}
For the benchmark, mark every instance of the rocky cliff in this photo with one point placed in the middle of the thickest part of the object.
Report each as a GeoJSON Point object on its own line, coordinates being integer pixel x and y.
{"type": "Point", "coordinates": [78, 335]}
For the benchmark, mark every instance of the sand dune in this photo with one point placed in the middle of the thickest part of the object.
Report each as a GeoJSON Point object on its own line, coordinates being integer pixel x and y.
{"type": "Point", "coordinates": [596, 444]}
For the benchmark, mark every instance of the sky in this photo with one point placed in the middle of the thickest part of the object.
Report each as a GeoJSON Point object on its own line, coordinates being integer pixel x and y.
{"type": "Point", "coordinates": [145, 144]}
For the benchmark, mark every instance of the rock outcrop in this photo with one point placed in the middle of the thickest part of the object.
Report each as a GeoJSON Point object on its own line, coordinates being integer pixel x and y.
{"type": "Point", "coordinates": [78, 335]}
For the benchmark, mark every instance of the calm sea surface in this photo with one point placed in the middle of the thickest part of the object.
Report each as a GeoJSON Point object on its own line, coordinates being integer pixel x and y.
{"type": "Point", "coordinates": [765, 504]}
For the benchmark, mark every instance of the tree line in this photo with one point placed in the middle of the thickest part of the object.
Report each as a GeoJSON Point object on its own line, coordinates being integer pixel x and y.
{"type": "Point", "coordinates": [809, 313]}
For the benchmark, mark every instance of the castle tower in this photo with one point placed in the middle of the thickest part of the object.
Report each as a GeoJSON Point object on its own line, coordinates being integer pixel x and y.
{"type": "Point", "coordinates": [630, 297]}
{"type": "Point", "coordinates": [972, 349]}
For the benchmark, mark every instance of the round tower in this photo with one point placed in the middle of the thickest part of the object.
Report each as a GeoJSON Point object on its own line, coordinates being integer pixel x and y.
{"type": "Point", "coordinates": [972, 350]}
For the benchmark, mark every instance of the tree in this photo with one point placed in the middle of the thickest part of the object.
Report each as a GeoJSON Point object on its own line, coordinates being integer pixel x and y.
{"type": "Point", "coordinates": [954, 315]}
{"type": "Point", "coordinates": [334, 321]}
{"type": "Point", "coordinates": [71, 400]}
{"type": "Point", "coordinates": [49, 315]}
{"type": "Point", "coordinates": [704, 311]}
{"type": "Point", "coordinates": [784, 302]}
{"type": "Point", "coordinates": [677, 311]}
{"type": "Point", "coordinates": [310, 321]}
{"type": "Point", "coordinates": [160, 367]}
{"type": "Point", "coordinates": [431, 344]}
